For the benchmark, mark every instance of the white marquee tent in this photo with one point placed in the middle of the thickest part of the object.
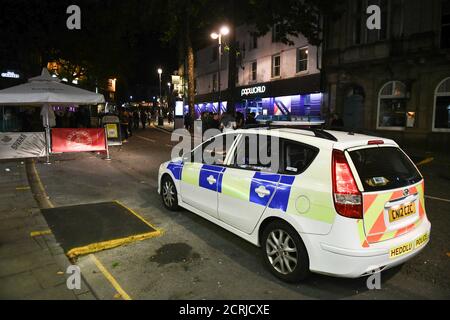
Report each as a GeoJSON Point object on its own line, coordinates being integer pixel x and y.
{"type": "Point", "coordinates": [45, 91]}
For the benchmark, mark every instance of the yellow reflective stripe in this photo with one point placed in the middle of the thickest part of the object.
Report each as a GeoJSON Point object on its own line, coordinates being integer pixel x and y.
{"type": "Point", "coordinates": [362, 234]}
{"type": "Point", "coordinates": [372, 214]}
{"type": "Point", "coordinates": [236, 186]}
{"type": "Point", "coordinates": [191, 173]}
{"type": "Point", "coordinates": [388, 235]}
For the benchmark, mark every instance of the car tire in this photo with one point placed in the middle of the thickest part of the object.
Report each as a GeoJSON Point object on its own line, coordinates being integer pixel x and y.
{"type": "Point", "coordinates": [169, 194]}
{"type": "Point", "coordinates": [284, 252]}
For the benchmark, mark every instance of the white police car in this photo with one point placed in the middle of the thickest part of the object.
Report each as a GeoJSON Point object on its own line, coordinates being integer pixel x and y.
{"type": "Point", "coordinates": [337, 203]}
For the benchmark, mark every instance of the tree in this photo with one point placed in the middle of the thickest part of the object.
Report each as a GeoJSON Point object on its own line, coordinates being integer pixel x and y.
{"type": "Point", "coordinates": [184, 24]}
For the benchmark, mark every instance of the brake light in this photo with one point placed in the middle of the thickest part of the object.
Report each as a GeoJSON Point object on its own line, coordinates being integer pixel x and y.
{"type": "Point", "coordinates": [346, 196]}
{"type": "Point", "coordinates": [372, 142]}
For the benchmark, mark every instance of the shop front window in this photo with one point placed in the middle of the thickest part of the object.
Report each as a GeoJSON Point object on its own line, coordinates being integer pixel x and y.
{"type": "Point", "coordinates": [441, 118]}
{"type": "Point", "coordinates": [392, 106]}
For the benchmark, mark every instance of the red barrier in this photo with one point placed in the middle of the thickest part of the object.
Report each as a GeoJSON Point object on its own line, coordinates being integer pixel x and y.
{"type": "Point", "coordinates": [78, 140]}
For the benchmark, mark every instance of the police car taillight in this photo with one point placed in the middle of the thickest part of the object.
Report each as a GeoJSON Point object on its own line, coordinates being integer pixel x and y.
{"type": "Point", "coordinates": [347, 198]}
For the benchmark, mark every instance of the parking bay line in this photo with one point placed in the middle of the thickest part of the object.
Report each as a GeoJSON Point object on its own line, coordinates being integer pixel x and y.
{"type": "Point", "coordinates": [97, 262]}
{"type": "Point", "coordinates": [110, 278]}
{"type": "Point", "coordinates": [439, 199]}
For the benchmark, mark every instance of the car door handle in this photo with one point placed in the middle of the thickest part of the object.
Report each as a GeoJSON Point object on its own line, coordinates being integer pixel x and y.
{"type": "Point", "coordinates": [262, 191]}
{"type": "Point", "coordinates": [211, 180]}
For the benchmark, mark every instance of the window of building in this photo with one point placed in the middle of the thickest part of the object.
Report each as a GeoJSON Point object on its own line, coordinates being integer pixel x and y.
{"type": "Point", "coordinates": [254, 71]}
{"type": "Point", "coordinates": [276, 33]}
{"type": "Point", "coordinates": [253, 42]}
{"type": "Point", "coordinates": [392, 106]}
{"type": "Point", "coordinates": [441, 114]}
{"type": "Point", "coordinates": [302, 59]}
{"type": "Point", "coordinates": [445, 25]}
{"type": "Point", "coordinates": [276, 65]}
{"type": "Point", "coordinates": [214, 82]}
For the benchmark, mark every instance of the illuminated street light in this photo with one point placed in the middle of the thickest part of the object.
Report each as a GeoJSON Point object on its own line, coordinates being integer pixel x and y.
{"type": "Point", "coordinates": [160, 89]}
{"type": "Point", "coordinates": [218, 36]}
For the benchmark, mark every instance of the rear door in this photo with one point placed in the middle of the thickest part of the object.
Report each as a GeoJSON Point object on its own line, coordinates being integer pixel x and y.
{"type": "Point", "coordinates": [393, 196]}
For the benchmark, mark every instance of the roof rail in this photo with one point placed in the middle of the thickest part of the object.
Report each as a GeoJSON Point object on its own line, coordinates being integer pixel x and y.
{"type": "Point", "coordinates": [318, 133]}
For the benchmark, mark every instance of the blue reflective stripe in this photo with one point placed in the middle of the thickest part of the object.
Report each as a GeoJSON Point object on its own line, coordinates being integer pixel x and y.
{"type": "Point", "coordinates": [281, 199]}
{"type": "Point", "coordinates": [287, 180]}
{"type": "Point", "coordinates": [213, 168]}
{"type": "Point", "coordinates": [219, 182]}
{"type": "Point", "coordinates": [255, 198]}
{"type": "Point", "coordinates": [216, 172]}
{"type": "Point", "coordinates": [267, 176]}
{"type": "Point", "coordinates": [176, 169]}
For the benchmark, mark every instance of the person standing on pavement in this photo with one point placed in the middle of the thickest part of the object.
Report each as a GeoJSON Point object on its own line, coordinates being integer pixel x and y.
{"type": "Point", "coordinates": [136, 119]}
{"type": "Point", "coordinates": [130, 123]}
{"type": "Point", "coordinates": [239, 120]}
{"type": "Point", "coordinates": [187, 121]}
{"type": "Point", "coordinates": [143, 118]}
{"type": "Point", "coordinates": [124, 125]}
{"type": "Point", "coordinates": [228, 122]}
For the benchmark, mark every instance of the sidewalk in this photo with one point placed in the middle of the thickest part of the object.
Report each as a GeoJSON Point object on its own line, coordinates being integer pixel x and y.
{"type": "Point", "coordinates": [166, 126]}
{"type": "Point", "coordinates": [30, 267]}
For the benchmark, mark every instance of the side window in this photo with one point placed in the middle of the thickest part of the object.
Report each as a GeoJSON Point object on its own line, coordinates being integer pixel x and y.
{"type": "Point", "coordinates": [297, 157]}
{"type": "Point", "coordinates": [255, 152]}
{"type": "Point", "coordinates": [214, 151]}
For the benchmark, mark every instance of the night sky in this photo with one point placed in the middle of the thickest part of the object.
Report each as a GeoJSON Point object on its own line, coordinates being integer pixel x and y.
{"type": "Point", "coordinates": [117, 38]}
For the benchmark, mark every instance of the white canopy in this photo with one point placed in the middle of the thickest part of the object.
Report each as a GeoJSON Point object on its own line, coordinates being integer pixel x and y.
{"type": "Point", "coordinates": [47, 90]}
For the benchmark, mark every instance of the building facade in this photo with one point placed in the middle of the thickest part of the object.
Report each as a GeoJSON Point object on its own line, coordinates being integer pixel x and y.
{"type": "Point", "coordinates": [272, 78]}
{"type": "Point", "coordinates": [394, 81]}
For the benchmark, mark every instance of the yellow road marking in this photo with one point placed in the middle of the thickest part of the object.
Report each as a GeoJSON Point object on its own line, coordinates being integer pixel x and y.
{"type": "Point", "coordinates": [40, 233]}
{"type": "Point", "coordinates": [426, 161]}
{"type": "Point", "coordinates": [100, 246]}
{"type": "Point", "coordinates": [106, 244]}
{"type": "Point", "coordinates": [22, 188]}
{"type": "Point", "coordinates": [41, 185]}
{"type": "Point", "coordinates": [139, 217]}
{"type": "Point", "coordinates": [110, 278]}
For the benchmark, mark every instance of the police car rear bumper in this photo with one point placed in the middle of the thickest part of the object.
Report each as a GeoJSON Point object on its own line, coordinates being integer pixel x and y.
{"type": "Point", "coordinates": [354, 263]}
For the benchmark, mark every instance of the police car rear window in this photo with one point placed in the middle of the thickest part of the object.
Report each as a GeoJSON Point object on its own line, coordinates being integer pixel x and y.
{"type": "Point", "coordinates": [384, 168]}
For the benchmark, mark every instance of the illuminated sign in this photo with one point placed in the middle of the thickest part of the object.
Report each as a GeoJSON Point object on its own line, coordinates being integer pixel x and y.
{"type": "Point", "coordinates": [10, 74]}
{"type": "Point", "coordinates": [253, 90]}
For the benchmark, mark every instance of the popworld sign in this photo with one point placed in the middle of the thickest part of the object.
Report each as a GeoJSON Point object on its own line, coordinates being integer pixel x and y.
{"type": "Point", "coordinates": [253, 90]}
{"type": "Point", "coordinates": [10, 74]}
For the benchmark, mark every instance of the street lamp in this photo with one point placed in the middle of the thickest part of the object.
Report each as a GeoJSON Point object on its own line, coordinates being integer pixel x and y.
{"type": "Point", "coordinates": [218, 36]}
{"type": "Point", "coordinates": [160, 90]}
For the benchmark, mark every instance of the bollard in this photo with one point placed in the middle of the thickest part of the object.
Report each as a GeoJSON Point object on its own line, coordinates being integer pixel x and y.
{"type": "Point", "coordinates": [108, 158]}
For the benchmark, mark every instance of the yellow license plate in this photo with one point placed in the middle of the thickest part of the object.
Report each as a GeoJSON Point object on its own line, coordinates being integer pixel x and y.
{"type": "Point", "coordinates": [403, 211]}
{"type": "Point", "coordinates": [408, 247]}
